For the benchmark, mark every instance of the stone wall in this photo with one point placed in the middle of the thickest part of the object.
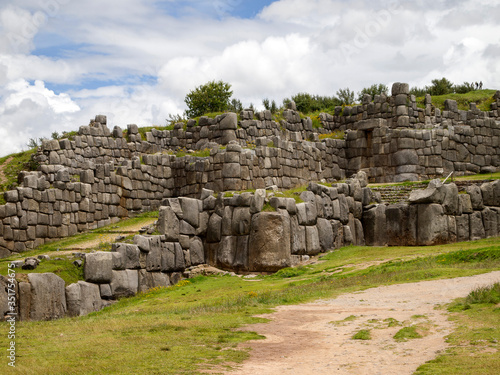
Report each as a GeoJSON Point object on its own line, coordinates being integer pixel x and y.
{"type": "Point", "coordinates": [100, 175]}
{"type": "Point", "coordinates": [260, 232]}
{"type": "Point", "coordinates": [436, 215]}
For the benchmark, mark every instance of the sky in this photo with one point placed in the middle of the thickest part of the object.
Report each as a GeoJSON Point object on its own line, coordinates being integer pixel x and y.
{"type": "Point", "coordinates": [64, 61]}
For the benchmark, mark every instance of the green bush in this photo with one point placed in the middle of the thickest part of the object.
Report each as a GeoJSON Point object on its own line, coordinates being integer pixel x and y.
{"type": "Point", "coordinates": [210, 97]}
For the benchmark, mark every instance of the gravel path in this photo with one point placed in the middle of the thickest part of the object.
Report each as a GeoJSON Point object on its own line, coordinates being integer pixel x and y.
{"type": "Point", "coordinates": [313, 338]}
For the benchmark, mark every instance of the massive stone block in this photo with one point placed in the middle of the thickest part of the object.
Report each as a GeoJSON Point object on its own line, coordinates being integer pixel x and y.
{"type": "Point", "coordinates": [313, 246]}
{"type": "Point", "coordinates": [374, 225]}
{"type": "Point", "coordinates": [476, 226]}
{"type": "Point", "coordinates": [463, 228]}
{"type": "Point", "coordinates": [491, 193]}
{"type": "Point", "coordinates": [4, 297]}
{"type": "Point", "coordinates": [196, 251]}
{"type": "Point", "coordinates": [48, 296]}
{"type": "Point", "coordinates": [124, 283]}
{"type": "Point", "coordinates": [226, 252]}
{"type": "Point", "coordinates": [240, 262]}
{"type": "Point", "coordinates": [269, 243]}
{"type": "Point", "coordinates": [298, 236]}
{"type": "Point", "coordinates": [241, 221]}
{"type": "Point", "coordinates": [325, 233]}
{"type": "Point", "coordinates": [490, 222]}
{"type": "Point", "coordinates": [475, 196]}
{"type": "Point", "coordinates": [432, 225]}
{"type": "Point", "coordinates": [98, 267]}
{"type": "Point", "coordinates": [191, 210]}
{"type": "Point", "coordinates": [434, 193]}
{"type": "Point", "coordinates": [168, 223]}
{"type": "Point", "coordinates": [83, 298]}
{"type": "Point", "coordinates": [307, 213]}
{"type": "Point", "coordinates": [131, 255]}
{"type": "Point", "coordinates": [214, 230]}
{"type": "Point", "coordinates": [401, 222]}
{"type": "Point", "coordinates": [149, 280]}
{"type": "Point", "coordinates": [168, 257]}
{"type": "Point", "coordinates": [450, 201]}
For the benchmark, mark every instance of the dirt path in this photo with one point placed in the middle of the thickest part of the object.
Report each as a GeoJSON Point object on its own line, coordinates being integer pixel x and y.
{"type": "Point", "coordinates": [3, 179]}
{"type": "Point", "coordinates": [314, 339]}
{"type": "Point", "coordinates": [111, 237]}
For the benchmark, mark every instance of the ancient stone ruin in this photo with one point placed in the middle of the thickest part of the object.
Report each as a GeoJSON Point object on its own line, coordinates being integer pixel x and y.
{"type": "Point", "coordinates": [102, 175]}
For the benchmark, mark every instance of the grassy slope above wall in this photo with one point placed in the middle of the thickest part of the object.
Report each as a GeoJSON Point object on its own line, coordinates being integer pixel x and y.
{"type": "Point", "coordinates": [482, 98]}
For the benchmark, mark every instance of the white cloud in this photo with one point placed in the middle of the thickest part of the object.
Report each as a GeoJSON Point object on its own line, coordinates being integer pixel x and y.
{"type": "Point", "coordinates": [32, 111]}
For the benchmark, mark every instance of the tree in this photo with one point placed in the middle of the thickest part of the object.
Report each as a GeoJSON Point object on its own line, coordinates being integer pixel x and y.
{"type": "Point", "coordinates": [210, 97]}
{"type": "Point", "coordinates": [235, 106]}
{"type": "Point", "coordinates": [419, 91]}
{"type": "Point", "coordinates": [464, 88]}
{"type": "Point", "coordinates": [441, 87]}
{"type": "Point", "coordinates": [372, 90]}
{"type": "Point", "coordinates": [304, 102]}
{"type": "Point", "coordinates": [346, 96]}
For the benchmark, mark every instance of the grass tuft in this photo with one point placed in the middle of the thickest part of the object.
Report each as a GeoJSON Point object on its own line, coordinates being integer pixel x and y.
{"type": "Point", "coordinates": [363, 334]}
{"type": "Point", "coordinates": [407, 333]}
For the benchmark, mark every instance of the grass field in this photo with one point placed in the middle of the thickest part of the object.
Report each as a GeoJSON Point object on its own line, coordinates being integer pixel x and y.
{"type": "Point", "coordinates": [192, 326]}
{"type": "Point", "coordinates": [482, 98]}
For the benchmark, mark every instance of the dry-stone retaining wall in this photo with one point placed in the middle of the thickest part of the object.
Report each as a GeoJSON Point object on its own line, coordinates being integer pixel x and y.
{"type": "Point", "coordinates": [260, 232]}
{"type": "Point", "coordinates": [100, 175]}
{"type": "Point", "coordinates": [436, 215]}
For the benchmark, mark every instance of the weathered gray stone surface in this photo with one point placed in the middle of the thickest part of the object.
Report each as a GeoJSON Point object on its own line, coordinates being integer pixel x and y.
{"type": "Point", "coordinates": [450, 200]}
{"type": "Point", "coordinates": [83, 298]}
{"type": "Point", "coordinates": [98, 267]}
{"type": "Point", "coordinates": [432, 225]}
{"type": "Point", "coordinates": [48, 296]}
{"type": "Point", "coordinates": [124, 283]}
{"type": "Point", "coordinates": [476, 226]}
{"type": "Point", "coordinates": [227, 251]}
{"type": "Point", "coordinates": [374, 224]}
{"type": "Point", "coordinates": [269, 244]}
{"type": "Point", "coordinates": [401, 222]}
{"type": "Point", "coordinates": [325, 233]}
{"type": "Point", "coordinates": [434, 193]}
{"type": "Point", "coordinates": [131, 255]}
{"type": "Point", "coordinates": [298, 236]}
{"type": "Point", "coordinates": [214, 230]}
{"type": "Point", "coordinates": [4, 297]}
{"type": "Point", "coordinates": [463, 227]}
{"type": "Point", "coordinates": [168, 223]}
{"type": "Point", "coordinates": [476, 196]}
{"type": "Point", "coordinates": [191, 210]}
{"type": "Point", "coordinates": [465, 204]}
{"type": "Point", "coordinates": [490, 222]}
{"type": "Point", "coordinates": [168, 257]}
{"type": "Point", "coordinates": [313, 245]}
{"type": "Point", "coordinates": [150, 280]}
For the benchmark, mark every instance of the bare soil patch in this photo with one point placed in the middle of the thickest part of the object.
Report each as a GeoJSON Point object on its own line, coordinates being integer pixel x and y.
{"type": "Point", "coordinates": [111, 237]}
{"type": "Point", "coordinates": [315, 339]}
{"type": "Point", "coordinates": [3, 179]}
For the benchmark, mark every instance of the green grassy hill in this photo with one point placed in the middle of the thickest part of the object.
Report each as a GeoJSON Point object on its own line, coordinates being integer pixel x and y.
{"type": "Point", "coordinates": [482, 98]}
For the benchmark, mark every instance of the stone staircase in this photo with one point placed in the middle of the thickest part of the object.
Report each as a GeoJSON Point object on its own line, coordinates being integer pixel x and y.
{"type": "Point", "coordinates": [397, 193]}
{"type": "Point", "coordinates": [401, 193]}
